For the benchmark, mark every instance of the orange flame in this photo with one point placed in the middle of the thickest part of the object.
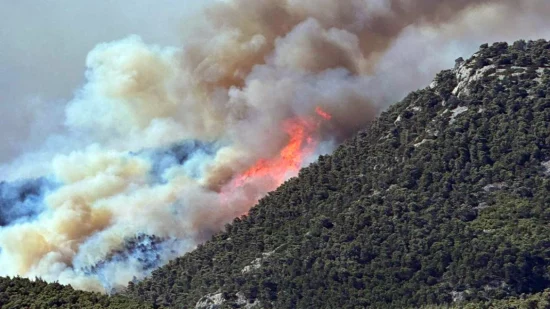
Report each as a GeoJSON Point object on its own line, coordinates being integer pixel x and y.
{"type": "Point", "coordinates": [301, 144]}
{"type": "Point", "coordinates": [322, 113]}
{"type": "Point", "coordinates": [291, 157]}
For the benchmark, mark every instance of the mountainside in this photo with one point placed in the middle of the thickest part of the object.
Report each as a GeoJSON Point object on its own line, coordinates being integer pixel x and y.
{"type": "Point", "coordinates": [443, 199]}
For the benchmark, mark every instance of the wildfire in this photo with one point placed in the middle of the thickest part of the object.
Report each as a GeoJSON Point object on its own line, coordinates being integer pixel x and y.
{"type": "Point", "coordinates": [322, 113]}
{"type": "Point", "coordinates": [300, 145]}
{"type": "Point", "coordinates": [302, 142]}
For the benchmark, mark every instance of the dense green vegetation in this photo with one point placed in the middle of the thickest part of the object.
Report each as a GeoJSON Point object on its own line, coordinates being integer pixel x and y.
{"type": "Point", "coordinates": [443, 199]}
{"type": "Point", "coordinates": [18, 293]}
{"type": "Point", "coordinates": [537, 300]}
{"type": "Point", "coordinates": [443, 202]}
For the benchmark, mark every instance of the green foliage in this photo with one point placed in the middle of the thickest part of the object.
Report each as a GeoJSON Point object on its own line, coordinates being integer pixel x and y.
{"type": "Point", "coordinates": [18, 293]}
{"type": "Point", "coordinates": [532, 301]}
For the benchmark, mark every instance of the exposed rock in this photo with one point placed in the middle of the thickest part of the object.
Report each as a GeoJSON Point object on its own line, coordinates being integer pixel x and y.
{"type": "Point", "coordinates": [457, 296]}
{"type": "Point", "coordinates": [466, 75]}
{"type": "Point", "coordinates": [242, 302]}
{"type": "Point", "coordinates": [458, 62]}
{"type": "Point", "coordinates": [210, 301]}
{"type": "Point", "coordinates": [457, 111]}
{"type": "Point", "coordinates": [422, 142]}
{"type": "Point", "coordinates": [481, 206]}
{"type": "Point", "coordinates": [241, 299]}
{"type": "Point", "coordinates": [495, 187]}
{"type": "Point", "coordinates": [257, 263]}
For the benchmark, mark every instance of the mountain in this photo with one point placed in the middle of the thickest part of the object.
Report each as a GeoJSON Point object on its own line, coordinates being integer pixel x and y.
{"type": "Point", "coordinates": [442, 200]}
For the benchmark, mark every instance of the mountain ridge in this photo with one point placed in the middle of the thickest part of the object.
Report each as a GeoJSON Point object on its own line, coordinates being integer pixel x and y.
{"type": "Point", "coordinates": [404, 213]}
{"type": "Point", "coordinates": [441, 200]}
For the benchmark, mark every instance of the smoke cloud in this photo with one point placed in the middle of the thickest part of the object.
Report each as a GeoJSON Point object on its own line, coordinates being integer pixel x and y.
{"type": "Point", "coordinates": [44, 44]}
{"type": "Point", "coordinates": [164, 145]}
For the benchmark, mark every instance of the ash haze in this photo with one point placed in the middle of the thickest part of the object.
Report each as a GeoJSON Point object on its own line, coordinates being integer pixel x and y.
{"type": "Point", "coordinates": [176, 139]}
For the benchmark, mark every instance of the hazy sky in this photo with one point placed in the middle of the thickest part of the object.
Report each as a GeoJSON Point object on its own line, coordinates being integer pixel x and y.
{"type": "Point", "coordinates": [43, 47]}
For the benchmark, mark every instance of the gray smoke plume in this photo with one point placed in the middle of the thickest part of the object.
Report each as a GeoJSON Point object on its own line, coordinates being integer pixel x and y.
{"type": "Point", "coordinates": [177, 141]}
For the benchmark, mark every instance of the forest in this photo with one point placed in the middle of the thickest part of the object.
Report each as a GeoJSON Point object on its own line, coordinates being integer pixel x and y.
{"type": "Point", "coordinates": [442, 202]}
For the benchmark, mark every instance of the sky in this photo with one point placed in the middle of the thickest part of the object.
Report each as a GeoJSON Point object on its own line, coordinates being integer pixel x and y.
{"type": "Point", "coordinates": [43, 48]}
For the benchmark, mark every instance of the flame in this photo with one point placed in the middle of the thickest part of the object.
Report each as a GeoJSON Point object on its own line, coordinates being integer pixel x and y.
{"type": "Point", "coordinates": [302, 142]}
{"type": "Point", "coordinates": [322, 113]}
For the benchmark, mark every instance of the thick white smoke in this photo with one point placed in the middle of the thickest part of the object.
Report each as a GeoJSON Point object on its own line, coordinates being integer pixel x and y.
{"type": "Point", "coordinates": [42, 52]}
{"type": "Point", "coordinates": [177, 141]}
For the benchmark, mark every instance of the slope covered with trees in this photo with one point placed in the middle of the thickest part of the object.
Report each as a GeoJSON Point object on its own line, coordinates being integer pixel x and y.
{"type": "Point", "coordinates": [442, 202]}
{"type": "Point", "coordinates": [16, 293]}
{"type": "Point", "coordinates": [537, 300]}
{"type": "Point", "coordinates": [444, 199]}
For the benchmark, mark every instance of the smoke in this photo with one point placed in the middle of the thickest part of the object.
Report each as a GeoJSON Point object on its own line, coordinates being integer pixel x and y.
{"type": "Point", "coordinates": [22, 200]}
{"type": "Point", "coordinates": [42, 51]}
{"type": "Point", "coordinates": [164, 145]}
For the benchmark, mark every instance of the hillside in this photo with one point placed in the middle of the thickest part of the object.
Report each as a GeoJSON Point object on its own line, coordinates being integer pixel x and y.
{"type": "Point", "coordinates": [443, 199]}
